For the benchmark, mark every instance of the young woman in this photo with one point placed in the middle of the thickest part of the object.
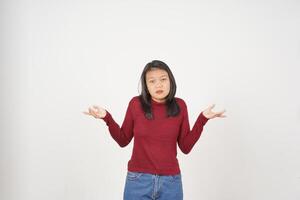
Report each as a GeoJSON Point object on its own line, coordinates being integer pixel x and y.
{"type": "Point", "coordinates": [158, 121]}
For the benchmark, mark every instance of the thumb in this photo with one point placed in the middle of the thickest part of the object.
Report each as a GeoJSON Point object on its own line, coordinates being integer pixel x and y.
{"type": "Point", "coordinates": [211, 106]}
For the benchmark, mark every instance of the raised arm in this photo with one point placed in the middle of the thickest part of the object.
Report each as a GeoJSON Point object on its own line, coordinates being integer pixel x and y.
{"type": "Point", "coordinates": [122, 135]}
{"type": "Point", "coordinates": [187, 138]}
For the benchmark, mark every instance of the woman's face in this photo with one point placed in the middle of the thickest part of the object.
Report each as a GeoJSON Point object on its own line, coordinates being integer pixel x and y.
{"type": "Point", "coordinates": [158, 84]}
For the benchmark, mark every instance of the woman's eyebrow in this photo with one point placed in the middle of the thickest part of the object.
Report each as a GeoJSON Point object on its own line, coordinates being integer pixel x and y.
{"type": "Point", "coordinates": [159, 77]}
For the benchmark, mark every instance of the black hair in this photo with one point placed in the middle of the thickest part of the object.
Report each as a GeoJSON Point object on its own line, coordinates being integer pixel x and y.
{"type": "Point", "coordinates": [145, 97]}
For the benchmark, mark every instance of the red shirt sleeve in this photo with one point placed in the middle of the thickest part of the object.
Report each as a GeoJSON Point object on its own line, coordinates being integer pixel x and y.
{"type": "Point", "coordinates": [122, 135]}
{"type": "Point", "coordinates": [187, 138]}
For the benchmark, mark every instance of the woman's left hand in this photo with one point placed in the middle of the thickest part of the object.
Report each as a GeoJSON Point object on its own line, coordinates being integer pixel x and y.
{"type": "Point", "coordinates": [209, 114]}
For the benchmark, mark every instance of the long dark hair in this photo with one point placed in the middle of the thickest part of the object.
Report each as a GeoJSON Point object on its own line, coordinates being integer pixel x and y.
{"type": "Point", "coordinates": [145, 97]}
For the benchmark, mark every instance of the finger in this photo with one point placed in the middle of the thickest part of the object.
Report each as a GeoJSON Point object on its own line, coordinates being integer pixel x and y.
{"type": "Point", "coordinates": [96, 107]}
{"type": "Point", "coordinates": [221, 114]}
{"type": "Point", "coordinates": [92, 111]}
{"type": "Point", "coordinates": [211, 106]}
{"type": "Point", "coordinates": [87, 113]}
{"type": "Point", "coordinates": [95, 113]}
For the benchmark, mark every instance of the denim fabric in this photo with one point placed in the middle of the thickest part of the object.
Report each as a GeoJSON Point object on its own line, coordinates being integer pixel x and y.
{"type": "Point", "coordinates": [144, 186]}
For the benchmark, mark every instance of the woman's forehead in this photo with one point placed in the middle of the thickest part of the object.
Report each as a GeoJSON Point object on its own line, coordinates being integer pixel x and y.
{"type": "Point", "coordinates": [156, 73]}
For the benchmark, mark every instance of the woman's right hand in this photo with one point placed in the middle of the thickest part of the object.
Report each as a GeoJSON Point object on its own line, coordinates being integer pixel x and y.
{"type": "Point", "coordinates": [96, 112]}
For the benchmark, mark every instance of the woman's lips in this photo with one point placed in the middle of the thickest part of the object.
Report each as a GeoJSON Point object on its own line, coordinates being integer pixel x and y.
{"type": "Point", "coordinates": [159, 91]}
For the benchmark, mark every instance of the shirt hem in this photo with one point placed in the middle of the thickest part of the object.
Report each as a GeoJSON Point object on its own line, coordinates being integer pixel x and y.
{"type": "Point", "coordinates": [154, 171]}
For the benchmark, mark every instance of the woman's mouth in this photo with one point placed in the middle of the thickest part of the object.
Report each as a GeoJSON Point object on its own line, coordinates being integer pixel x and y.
{"type": "Point", "coordinates": [159, 91]}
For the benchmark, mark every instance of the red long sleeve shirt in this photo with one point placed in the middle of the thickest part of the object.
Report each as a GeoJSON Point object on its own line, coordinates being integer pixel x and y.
{"type": "Point", "coordinates": [155, 141]}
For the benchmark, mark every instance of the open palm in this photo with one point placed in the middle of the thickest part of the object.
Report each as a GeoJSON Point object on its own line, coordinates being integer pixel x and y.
{"type": "Point", "coordinates": [208, 113]}
{"type": "Point", "coordinates": [96, 112]}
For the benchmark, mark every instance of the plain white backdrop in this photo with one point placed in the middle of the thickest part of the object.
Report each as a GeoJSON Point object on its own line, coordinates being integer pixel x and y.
{"type": "Point", "coordinates": [60, 57]}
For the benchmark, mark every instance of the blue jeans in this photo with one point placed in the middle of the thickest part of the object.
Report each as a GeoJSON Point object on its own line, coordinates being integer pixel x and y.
{"type": "Point", "coordinates": [144, 186]}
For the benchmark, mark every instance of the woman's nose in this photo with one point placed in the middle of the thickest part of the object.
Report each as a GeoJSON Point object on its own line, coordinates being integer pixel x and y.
{"type": "Point", "coordinates": [159, 84]}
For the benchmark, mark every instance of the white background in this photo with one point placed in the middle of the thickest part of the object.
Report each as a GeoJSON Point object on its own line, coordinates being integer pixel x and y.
{"type": "Point", "coordinates": [60, 57]}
